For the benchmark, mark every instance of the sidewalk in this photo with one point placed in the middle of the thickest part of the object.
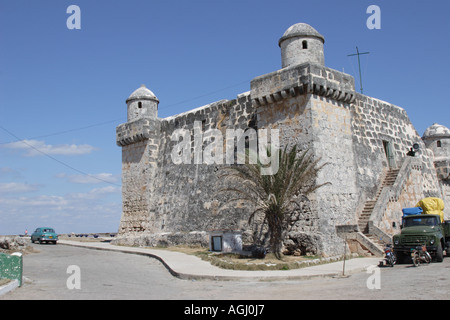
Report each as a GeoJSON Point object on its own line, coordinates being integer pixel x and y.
{"type": "Point", "coordinates": [186, 266]}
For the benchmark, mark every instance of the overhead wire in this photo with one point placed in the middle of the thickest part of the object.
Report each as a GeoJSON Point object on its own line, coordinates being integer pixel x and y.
{"type": "Point", "coordinates": [66, 131]}
{"type": "Point", "coordinates": [24, 141]}
{"type": "Point", "coordinates": [57, 160]}
{"type": "Point", "coordinates": [164, 107]}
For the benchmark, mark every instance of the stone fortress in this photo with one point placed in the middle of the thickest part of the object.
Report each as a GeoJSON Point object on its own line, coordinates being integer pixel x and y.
{"type": "Point", "coordinates": [364, 140]}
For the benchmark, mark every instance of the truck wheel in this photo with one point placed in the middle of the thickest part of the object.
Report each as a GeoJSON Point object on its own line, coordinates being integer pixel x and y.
{"type": "Point", "coordinates": [439, 253]}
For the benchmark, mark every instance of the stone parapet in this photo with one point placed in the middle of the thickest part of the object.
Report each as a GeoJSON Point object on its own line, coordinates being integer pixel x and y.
{"type": "Point", "coordinates": [302, 79]}
{"type": "Point", "coordinates": [136, 131]}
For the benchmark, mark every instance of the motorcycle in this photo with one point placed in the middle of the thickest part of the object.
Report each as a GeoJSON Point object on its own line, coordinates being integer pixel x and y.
{"type": "Point", "coordinates": [390, 257]}
{"type": "Point", "coordinates": [420, 254]}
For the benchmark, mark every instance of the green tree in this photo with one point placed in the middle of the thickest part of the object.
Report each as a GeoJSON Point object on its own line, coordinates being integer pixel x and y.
{"type": "Point", "coordinates": [275, 196]}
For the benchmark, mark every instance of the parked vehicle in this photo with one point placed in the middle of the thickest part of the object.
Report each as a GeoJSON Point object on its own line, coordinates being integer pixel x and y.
{"type": "Point", "coordinates": [390, 257]}
{"type": "Point", "coordinates": [44, 234]}
{"type": "Point", "coordinates": [424, 229]}
{"type": "Point", "coordinates": [419, 255]}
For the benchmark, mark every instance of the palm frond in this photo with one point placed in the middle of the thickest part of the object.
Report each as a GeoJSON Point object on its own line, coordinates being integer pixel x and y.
{"type": "Point", "coordinates": [274, 195]}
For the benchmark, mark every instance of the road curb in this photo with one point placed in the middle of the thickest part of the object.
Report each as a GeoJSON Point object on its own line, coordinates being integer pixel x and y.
{"type": "Point", "coordinates": [124, 250]}
{"type": "Point", "coordinates": [9, 287]}
{"type": "Point", "coordinates": [225, 274]}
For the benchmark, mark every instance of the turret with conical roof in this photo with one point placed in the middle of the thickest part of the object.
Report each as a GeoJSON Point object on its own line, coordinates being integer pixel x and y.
{"type": "Point", "coordinates": [437, 139]}
{"type": "Point", "coordinates": [142, 103]}
{"type": "Point", "coordinates": [301, 43]}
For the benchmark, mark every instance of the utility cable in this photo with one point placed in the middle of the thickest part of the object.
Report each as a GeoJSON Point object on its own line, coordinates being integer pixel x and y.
{"type": "Point", "coordinates": [205, 95]}
{"type": "Point", "coordinates": [163, 107]}
{"type": "Point", "coordinates": [54, 159]}
{"type": "Point", "coordinates": [66, 131]}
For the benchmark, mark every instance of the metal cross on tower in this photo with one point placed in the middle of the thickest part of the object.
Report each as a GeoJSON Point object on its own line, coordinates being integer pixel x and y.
{"type": "Point", "coordinates": [359, 65]}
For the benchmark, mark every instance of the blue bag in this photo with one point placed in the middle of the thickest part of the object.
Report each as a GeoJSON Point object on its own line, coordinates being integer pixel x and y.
{"type": "Point", "coordinates": [412, 211]}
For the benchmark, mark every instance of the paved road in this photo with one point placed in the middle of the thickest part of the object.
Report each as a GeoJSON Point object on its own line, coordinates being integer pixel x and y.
{"type": "Point", "coordinates": [113, 275]}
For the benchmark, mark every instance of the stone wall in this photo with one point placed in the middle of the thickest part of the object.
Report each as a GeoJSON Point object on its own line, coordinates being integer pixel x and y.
{"type": "Point", "coordinates": [375, 124]}
{"type": "Point", "coordinates": [313, 107]}
{"type": "Point", "coordinates": [134, 186]}
{"type": "Point", "coordinates": [187, 192]}
{"type": "Point", "coordinates": [332, 142]}
{"type": "Point", "coordinates": [411, 192]}
{"type": "Point", "coordinates": [140, 145]}
{"type": "Point", "coordinates": [442, 168]}
{"type": "Point", "coordinates": [445, 185]}
{"type": "Point", "coordinates": [183, 203]}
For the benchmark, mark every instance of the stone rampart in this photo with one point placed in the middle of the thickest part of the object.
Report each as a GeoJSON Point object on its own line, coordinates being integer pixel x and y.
{"type": "Point", "coordinates": [380, 128]}
{"type": "Point", "coordinates": [312, 106]}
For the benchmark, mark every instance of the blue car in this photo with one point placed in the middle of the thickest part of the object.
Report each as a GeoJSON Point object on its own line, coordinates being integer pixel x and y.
{"type": "Point", "coordinates": [44, 235]}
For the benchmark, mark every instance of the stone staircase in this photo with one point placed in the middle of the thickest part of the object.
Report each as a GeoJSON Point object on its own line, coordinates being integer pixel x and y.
{"type": "Point", "coordinates": [364, 217]}
{"type": "Point", "coordinates": [377, 242]}
{"type": "Point", "coordinates": [366, 232]}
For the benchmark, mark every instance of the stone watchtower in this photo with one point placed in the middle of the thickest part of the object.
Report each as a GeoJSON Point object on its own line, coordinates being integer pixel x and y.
{"type": "Point", "coordinates": [139, 139]}
{"type": "Point", "coordinates": [301, 43]}
{"type": "Point", "coordinates": [142, 103]}
{"type": "Point", "coordinates": [437, 139]}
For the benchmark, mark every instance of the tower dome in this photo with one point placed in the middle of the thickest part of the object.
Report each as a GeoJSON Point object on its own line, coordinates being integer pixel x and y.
{"type": "Point", "coordinates": [436, 131]}
{"type": "Point", "coordinates": [301, 43]}
{"type": "Point", "coordinates": [142, 103]}
{"type": "Point", "coordinates": [437, 139]}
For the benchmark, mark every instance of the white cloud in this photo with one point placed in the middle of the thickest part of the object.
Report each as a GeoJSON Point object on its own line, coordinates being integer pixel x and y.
{"type": "Point", "coordinates": [39, 201]}
{"type": "Point", "coordinates": [16, 187]}
{"type": "Point", "coordinates": [34, 148]}
{"type": "Point", "coordinates": [96, 210]}
{"type": "Point", "coordinates": [95, 193]}
{"type": "Point", "coordinates": [106, 190]}
{"type": "Point", "coordinates": [90, 178]}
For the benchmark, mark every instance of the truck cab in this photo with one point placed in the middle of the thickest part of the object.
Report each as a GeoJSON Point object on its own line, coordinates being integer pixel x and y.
{"type": "Point", "coordinates": [422, 229]}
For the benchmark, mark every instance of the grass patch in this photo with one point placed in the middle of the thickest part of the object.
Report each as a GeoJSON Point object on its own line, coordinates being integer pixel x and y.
{"type": "Point", "coordinates": [235, 261]}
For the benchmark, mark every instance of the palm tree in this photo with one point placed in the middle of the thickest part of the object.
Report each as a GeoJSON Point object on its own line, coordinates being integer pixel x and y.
{"type": "Point", "coordinates": [275, 196]}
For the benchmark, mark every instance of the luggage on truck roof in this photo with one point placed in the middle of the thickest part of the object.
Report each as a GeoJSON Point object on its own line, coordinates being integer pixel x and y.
{"type": "Point", "coordinates": [412, 211]}
{"type": "Point", "coordinates": [432, 205]}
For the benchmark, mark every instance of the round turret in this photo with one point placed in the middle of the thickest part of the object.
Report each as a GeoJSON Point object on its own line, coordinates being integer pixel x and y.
{"type": "Point", "coordinates": [437, 138]}
{"type": "Point", "coordinates": [301, 43]}
{"type": "Point", "coordinates": [142, 103]}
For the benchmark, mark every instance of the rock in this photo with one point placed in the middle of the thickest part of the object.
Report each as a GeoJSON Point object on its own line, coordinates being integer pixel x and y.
{"type": "Point", "coordinates": [298, 243]}
{"type": "Point", "coordinates": [13, 243]}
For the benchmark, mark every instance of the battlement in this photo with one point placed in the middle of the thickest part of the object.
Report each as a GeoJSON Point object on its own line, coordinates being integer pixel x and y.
{"type": "Point", "coordinates": [136, 131]}
{"type": "Point", "coordinates": [302, 79]}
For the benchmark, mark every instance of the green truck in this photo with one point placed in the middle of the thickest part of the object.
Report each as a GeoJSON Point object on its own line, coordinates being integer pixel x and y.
{"type": "Point", "coordinates": [422, 229]}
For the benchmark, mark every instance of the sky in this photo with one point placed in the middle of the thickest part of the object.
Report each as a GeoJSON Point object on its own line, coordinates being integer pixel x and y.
{"type": "Point", "coordinates": [63, 91]}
